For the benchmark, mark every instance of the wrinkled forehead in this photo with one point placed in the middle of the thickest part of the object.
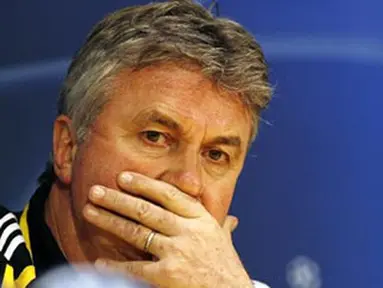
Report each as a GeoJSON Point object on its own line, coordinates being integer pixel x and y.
{"type": "Point", "coordinates": [186, 93]}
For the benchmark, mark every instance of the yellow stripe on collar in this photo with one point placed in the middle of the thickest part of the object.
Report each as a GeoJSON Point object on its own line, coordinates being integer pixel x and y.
{"type": "Point", "coordinates": [25, 229]}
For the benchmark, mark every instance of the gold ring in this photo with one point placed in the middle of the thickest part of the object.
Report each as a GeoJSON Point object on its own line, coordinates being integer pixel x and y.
{"type": "Point", "coordinates": [149, 240]}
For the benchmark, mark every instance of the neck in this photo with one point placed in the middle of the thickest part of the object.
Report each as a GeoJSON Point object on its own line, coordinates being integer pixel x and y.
{"type": "Point", "coordinates": [63, 226]}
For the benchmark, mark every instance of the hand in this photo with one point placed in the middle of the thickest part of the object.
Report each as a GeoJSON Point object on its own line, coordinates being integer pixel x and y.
{"type": "Point", "coordinates": [192, 249]}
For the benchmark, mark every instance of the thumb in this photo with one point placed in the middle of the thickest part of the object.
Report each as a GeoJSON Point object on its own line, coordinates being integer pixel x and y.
{"type": "Point", "coordinates": [230, 224]}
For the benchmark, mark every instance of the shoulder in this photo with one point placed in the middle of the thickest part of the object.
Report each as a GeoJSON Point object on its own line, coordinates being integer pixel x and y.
{"type": "Point", "coordinates": [10, 233]}
{"type": "Point", "coordinates": [14, 254]}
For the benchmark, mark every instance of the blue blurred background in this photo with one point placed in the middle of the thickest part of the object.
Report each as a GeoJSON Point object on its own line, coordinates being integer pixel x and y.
{"type": "Point", "coordinates": [308, 200]}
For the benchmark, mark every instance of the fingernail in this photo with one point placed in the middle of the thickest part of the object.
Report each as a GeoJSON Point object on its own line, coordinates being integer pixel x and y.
{"type": "Point", "coordinates": [126, 177]}
{"type": "Point", "coordinates": [98, 192]}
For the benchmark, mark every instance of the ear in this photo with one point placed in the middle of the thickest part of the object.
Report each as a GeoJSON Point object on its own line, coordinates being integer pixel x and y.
{"type": "Point", "coordinates": [64, 148]}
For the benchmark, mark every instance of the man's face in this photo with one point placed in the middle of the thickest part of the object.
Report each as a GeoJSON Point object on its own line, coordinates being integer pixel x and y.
{"type": "Point", "coordinates": [171, 124]}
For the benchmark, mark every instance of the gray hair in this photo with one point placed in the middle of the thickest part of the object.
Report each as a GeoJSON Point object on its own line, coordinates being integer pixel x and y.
{"type": "Point", "coordinates": [140, 36]}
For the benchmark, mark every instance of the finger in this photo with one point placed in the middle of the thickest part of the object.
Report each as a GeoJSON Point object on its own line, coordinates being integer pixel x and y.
{"type": "Point", "coordinates": [140, 210]}
{"type": "Point", "coordinates": [230, 224]}
{"type": "Point", "coordinates": [147, 271]}
{"type": "Point", "coordinates": [162, 193]}
{"type": "Point", "coordinates": [133, 233]}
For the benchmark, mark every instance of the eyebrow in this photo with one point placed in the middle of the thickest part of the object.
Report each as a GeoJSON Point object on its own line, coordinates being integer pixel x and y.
{"type": "Point", "coordinates": [155, 116]}
{"type": "Point", "coordinates": [233, 141]}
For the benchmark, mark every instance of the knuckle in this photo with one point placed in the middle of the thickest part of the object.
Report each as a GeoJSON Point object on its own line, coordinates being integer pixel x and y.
{"type": "Point", "coordinates": [171, 269]}
{"type": "Point", "coordinates": [161, 247]}
{"type": "Point", "coordinates": [166, 219]}
{"type": "Point", "coordinates": [171, 194]}
{"type": "Point", "coordinates": [143, 210]}
{"type": "Point", "coordinates": [124, 229]}
{"type": "Point", "coordinates": [194, 229]}
{"type": "Point", "coordinates": [114, 198]}
{"type": "Point", "coordinates": [120, 226]}
{"type": "Point", "coordinates": [134, 231]}
{"type": "Point", "coordinates": [175, 248]}
{"type": "Point", "coordinates": [117, 225]}
{"type": "Point", "coordinates": [161, 221]}
{"type": "Point", "coordinates": [130, 232]}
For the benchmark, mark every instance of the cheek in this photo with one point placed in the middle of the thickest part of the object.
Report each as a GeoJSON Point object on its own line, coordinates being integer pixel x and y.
{"type": "Point", "coordinates": [99, 162]}
{"type": "Point", "coordinates": [217, 201]}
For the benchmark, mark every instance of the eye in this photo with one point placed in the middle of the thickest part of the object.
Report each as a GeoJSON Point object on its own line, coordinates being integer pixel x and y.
{"type": "Point", "coordinates": [217, 156]}
{"type": "Point", "coordinates": [155, 137]}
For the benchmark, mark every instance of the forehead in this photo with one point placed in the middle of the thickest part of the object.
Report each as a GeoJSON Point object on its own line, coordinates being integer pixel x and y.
{"type": "Point", "coordinates": [182, 92]}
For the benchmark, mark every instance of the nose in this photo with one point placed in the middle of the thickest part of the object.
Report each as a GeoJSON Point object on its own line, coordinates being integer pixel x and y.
{"type": "Point", "coordinates": [185, 174]}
